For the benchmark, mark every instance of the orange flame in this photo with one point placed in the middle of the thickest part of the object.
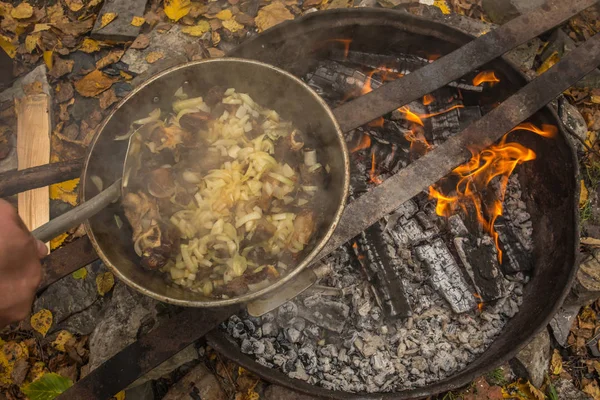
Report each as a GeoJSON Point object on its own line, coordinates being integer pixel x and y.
{"type": "Point", "coordinates": [364, 143]}
{"type": "Point", "coordinates": [498, 160]}
{"type": "Point", "coordinates": [479, 301]}
{"type": "Point", "coordinates": [372, 175]}
{"type": "Point", "coordinates": [418, 118]}
{"type": "Point", "coordinates": [418, 143]}
{"type": "Point", "coordinates": [345, 42]}
{"type": "Point", "coordinates": [485, 76]}
{"type": "Point", "coordinates": [428, 99]}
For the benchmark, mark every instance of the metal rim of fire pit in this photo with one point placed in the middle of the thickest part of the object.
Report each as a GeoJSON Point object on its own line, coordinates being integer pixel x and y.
{"type": "Point", "coordinates": [345, 159]}
{"type": "Point", "coordinates": [440, 30]}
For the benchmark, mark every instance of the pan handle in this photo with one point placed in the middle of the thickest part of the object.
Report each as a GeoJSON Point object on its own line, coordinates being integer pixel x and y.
{"type": "Point", "coordinates": [79, 214]}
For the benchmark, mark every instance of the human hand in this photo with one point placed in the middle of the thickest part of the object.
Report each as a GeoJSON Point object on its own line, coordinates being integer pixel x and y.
{"type": "Point", "coordinates": [20, 268]}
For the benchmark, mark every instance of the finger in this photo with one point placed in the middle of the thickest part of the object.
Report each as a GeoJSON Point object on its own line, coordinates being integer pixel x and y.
{"type": "Point", "coordinates": [42, 249]}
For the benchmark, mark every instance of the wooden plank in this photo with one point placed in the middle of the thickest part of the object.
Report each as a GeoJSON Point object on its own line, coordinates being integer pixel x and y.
{"type": "Point", "coordinates": [120, 29]}
{"type": "Point", "coordinates": [33, 149]}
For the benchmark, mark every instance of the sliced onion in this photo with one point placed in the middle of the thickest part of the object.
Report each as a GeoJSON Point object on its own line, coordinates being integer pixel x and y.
{"type": "Point", "coordinates": [246, 218]}
{"type": "Point", "coordinates": [153, 116]}
{"type": "Point", "coordinates": [195, 102]}
{"type": "Point", "coordinates": [281, 178]}
{"type": "Point", "coordinates": [97, 181]}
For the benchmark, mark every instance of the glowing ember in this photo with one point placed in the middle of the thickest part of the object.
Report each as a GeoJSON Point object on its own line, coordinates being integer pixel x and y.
{"type": "Point", "coordinates": [498, 160]}
{"type": "Point", "coordinates": [485, 76]}
{"type": "Point", "coordinates": [418, 143]}
{"type": "Point", "coordinates": [377, 123]}
{"type": "Point", "coordinates": [428, 99]}
{"type": "Point", "coordinates": [365, 143]}
{"type": "Point", "coordinates": [373, 178]}
{"type": "Point", "coordinates": [479, 301]}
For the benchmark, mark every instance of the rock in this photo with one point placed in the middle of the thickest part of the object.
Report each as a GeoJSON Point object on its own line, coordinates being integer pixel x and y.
{"type": "Point", "coordinates": [119, 30]}
{"type": "Point", "coordinates": [533, 360]}
{"type": "Point", "coordinates": [70, 297]}
{"type": "Point", "coordinates": [122, 319]}
{"type": "Point", "coordinates": [566, 390]}
{"type": "Point", "coordinates": [587, 283]}
{"type": "Point", "coordinates": [275, 392]}
{"type": "Point", "coordinates": [524, 55]}
{"type": "Point", "coordinates": [562, 322]}
{"type": "Point", "coordinates": [199, 383]}
{"type": "Point", "coordinates": [573, 122]}
{"type": "Point", "coordinates": [501, 11]}
{"type": "Point", "coordinates": [183, 357]}
{"type": "Point", "coordinates": [84, 63]}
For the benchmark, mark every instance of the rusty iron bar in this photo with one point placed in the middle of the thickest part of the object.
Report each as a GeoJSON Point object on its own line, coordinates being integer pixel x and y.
{"type": "Point", "coordinates": [13, 182]}
{"type": "Point", "coordinates": [473, 55]}
{"type": "Point", "coordinates": [150, 350]}
{"type": "Point", "coordinates": [66, 260]}
{"type": "Point", "coordinates": [427, 170]}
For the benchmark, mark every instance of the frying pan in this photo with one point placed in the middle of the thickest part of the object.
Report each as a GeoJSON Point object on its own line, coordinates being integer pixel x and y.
{"type": "Point", "coordinates": [269, 86]}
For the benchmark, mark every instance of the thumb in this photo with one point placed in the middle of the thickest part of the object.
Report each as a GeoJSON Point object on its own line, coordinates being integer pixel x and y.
{"type": "Point", "coordinates": [42, 250]}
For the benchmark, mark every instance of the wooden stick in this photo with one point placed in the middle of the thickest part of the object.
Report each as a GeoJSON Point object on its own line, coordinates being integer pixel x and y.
{"type": "Point", "coordinates": [13, 182]}
{"type": "Point", "coordinates": [33, 149]}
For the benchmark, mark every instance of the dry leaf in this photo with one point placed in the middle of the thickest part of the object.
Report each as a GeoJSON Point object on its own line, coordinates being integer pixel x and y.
{"type": "Point", "coordinates": [111, 58]}
{"type": "Point", "coordinates": [593, 390]}
{"type": "Point", "coordinates": [10, 353]}
{"type": "Point", "coordinates": [105, 282]}
{"type": "Point", "coordinates": [89, 46]}
{"type": "Point", "coordinates": [120, 395]}
{"type": "Point", "coordinates": [22, 11]}
{"type": "Point", "coordinates": [65, 191]}
{"type": "Point", "coordinates": [61, 67]}
{"type": "Point", "coordinates": [7, 46]}
{"type": "Point", "coordinates": [63, 338]}
{"type": "Point", "coordinates": [81, 273]}
{"type": "Point", "coordinates": [137, 21]}
{"type": "Point", "coordinates": [548, 63]}
{"type": "Point", "coordinates": [76, 28]}
{"type": "Point", "coordinates": [125, 75]}
{"type": "Point", "coordinates": [93, 3]}
{"type": "Point", "coordinates": [31, 42]}
{"type": "Point", "coordinates": [197, 30]}
{"type": "Point", "coordinates": [154, 56]}
{"type": "Point", "coordinates": [58, 241]}
{"type": "Point", "coordinates": [442, 5]}
{"type": "Point", "coordinates": [74, 5]}
{"type": "Point", "coordinates": [556, 363]}
{"type": "Point", "coordinates": [48, 58]}
{"type": "Point", "coordinates": [232, 25]}
{"type": "Point", "coordinates": [41, 321]}
{"type": "Point", "coordinates": [177, 9]}
{"type": "Point", "coordinates": [107, 18]}
{"type": "Point", "coordinates": [272, 15]}
{"type": "Point", "coordinates": [583, 195]}
{"type": "Point", "coordinates": [41, 27]}
{"type": "Point", "coordinates": [107, 98]}
{"type": "Point", "coordinates": [93, 84]}
{"type": "Point", "coordinates": [213, 52]}
{"type": "Point", "coordinates": [216, 38]}
{"type": "Point", "coordinates": [56, 14]}
{"type": "Point", "coordinates": [224, 15]}
{"type": "Point", "coordinates": [140, 42]}
{"type": "Point", "coordinates": [590, 241]}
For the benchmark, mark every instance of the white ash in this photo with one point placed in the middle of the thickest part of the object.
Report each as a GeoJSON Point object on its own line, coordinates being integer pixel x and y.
{"type": "Point", "coordinates": [369, 353]}
{"type": "Point", "coordinates": [515, 210]}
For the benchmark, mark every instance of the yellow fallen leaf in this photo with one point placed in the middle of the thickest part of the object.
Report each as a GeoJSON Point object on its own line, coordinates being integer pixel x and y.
{"type": "Point", "coordinates": [556, 363]}
{"type": "Point", "coordinates": [232, 25]}
{"type": "Point", "coordinates": [65, 191]}
{"type": "Point", "coordinates": [216, 38]}
{"type": "Point", "coordinates": [583, 195]}
{"type": "Point", "coordinates": [41, 27]}
{"type": "Point", "coordinates": [48, 58]}
{"type": "Point", "coordinates": [41, 321]}
{"type": "Point", "coordinates": [272, 15]}
{"type": "Point", "coordinates": [154, 56]}
{"type": "Point", "coordinates": [31, 42]}
{"type": "Point", "coordinates": [137, 21]}
{"type": "Point", "coordinates": [197, 30]}
{"type": "Point", "coordinates": [5, 8]}
{"type": "Point", "coordinates": [10, 353]}
{"type": "Point", "coordinates": [125, 75]}
{"type": "Point", "coordinates": [593, 390]}
{"type": "Point", "coordinates": [105, 282]}
{"type": "Point", "coordinates": [224, 15]}
{"type": "Point", "coordinates": [22, 11]}
{"type": "Point", "coordinates": [37, 370]}
{"type": "Point", "coordinates": [591, 138]}
{"type": "Point", "coordinates": [58, 241]}
{"type": "Point", "coordinates": [597, 366]}
{"type": "Point", "coordinates": [93, 3]}
{"type": "Point", "coordinates": [120, 395]}
{"type": "Point", "coordinates": [89, 46]}
{"type": "Point", "coordinates": [177, 9]}
{"type": "Point", "coordinates": [107, 18]}
{"type": "Point", "coordinates": [442, 5]}
{"type": "Point", "coordinates": [595, 99]}
{"type": "Point", "coordinates": [81, 273]}
{"type": "Point", "coordinates": [63, 337]}
{"type": "Point", "coordinates": [94, 83]}
{"type": "Point", "coordinates": [7, 46]}
{"type": "Point", "coordinates": [56, 14]}
{"type": "Point", "coordinates": [74, 5]}
{"type": "Point", "coordinates": [548, 63]}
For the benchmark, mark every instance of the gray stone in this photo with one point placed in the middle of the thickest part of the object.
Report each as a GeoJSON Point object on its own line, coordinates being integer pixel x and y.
{"type": "Point", "coordinates": [120, 324]}
{"type": "Point", "coordinates": [566, 390]}
{"type": "Point", "coordinates": [198, 383]}
{"type": "Point", "coordinates": [275, 392]}
{"type": "Point", "coordinates": [120, 29]}
{"type": "Point", "coordinates": [524, 55]}
{"type": "Point", "coordinates": [562, 322]}
{"type": "Point", "coordinates": [501, 11]}
{"type": "Point", "coordinates": [533, 360]}
{"type": "Point", "coordinates": [573, 122]}
{"type": "Point", "coordinates": [185, 356]}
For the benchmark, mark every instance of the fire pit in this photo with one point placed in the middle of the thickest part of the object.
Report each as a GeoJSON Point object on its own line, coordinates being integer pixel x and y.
{"type": "Point", "coordinates": [445, 288]}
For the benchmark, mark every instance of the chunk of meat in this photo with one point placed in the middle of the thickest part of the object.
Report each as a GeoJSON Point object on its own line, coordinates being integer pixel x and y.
{"type": "Point", "coordinates": [192, 122]}
{"type": "Point", "coordinates": [304, 225]}
{"type": "Point", "coordinates": [140, 210]}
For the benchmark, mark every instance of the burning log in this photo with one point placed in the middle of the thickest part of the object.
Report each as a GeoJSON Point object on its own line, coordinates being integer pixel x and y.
{"type": "Point", "coordinates": [516, 257]}
{"type": "Point", "coordinates": [445, 276]}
